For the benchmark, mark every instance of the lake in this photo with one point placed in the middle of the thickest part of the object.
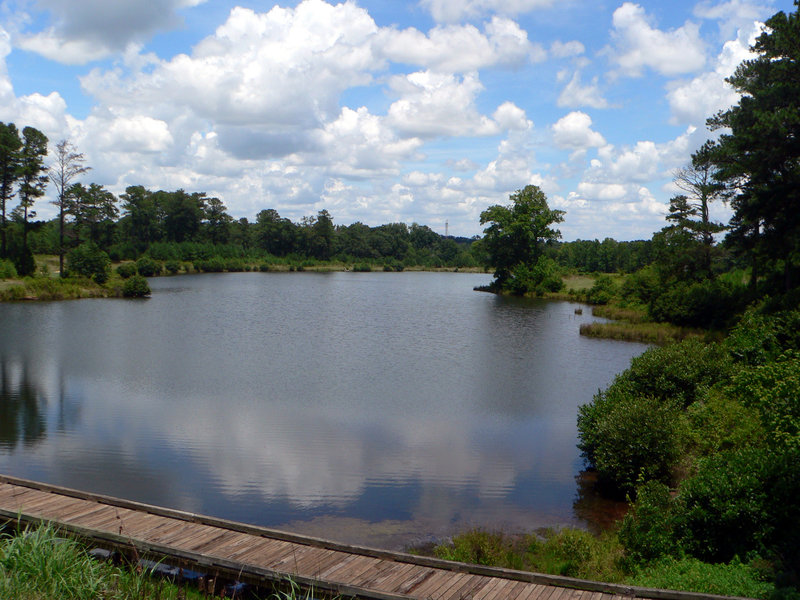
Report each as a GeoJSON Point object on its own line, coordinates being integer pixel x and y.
{"type": "Point", "coordinates": [384, 409]}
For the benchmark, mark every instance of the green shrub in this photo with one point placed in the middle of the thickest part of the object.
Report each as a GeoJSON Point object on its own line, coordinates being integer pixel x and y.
{"type": "Point", "coordinates": [234, 265]}
{"type": "Point", "coordinates": [538, 279]}
{"type": "Point", "coordinates": [759, 338]}
{"type": "Point", "coordinates": [477, 547]}
{"type": "Point", "coordinates": [88, 260]}
{"type": "Point", "coordinates": [724, 508]}
{"type": "Point", "coordinates": [24, 262]}
{"type": "Point", "coordinates": [681, 372]}
{"type": "Point", "coordinates": [641, 286]}
{"type": "Point", "coordinates": [362, 268]}
{"type": "Point", "coordinates": [126, 270]}
{"type": "Point", "coordinates": [136, 287]}
{"type": "Point", "coordinates": [214, 264]}
{"type": "Point", "coordinates": [720, 423]}
{"type": "Point", "coordinates": [774, 390]}
{"type": "Point", "coordinates": [633, 439]}
{"type": "Point", "coordinates": [172, 266]}
{"type": "Point", "coordinates": [147, 267]}
{"type": "Point", "coordinates": [648, 530]}
{"type": "Point", "coordinates": [603, 290]}
{"type": "Point", "coordinates": [693, 575]}
{"type": "Point", "coordinates": [708, 304]}
{"type": "Point", "coordinates": [7, 269]}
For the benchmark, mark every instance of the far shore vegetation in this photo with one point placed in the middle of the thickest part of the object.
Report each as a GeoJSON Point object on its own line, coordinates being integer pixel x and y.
{"type": "Point", "coordinates": [700, 436]}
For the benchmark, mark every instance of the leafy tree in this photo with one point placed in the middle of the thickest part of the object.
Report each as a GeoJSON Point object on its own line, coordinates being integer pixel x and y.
{"type": "Point", "coordinates": [217, 221]}
{"type": "Point", "coordinates": [32, 183]}
{"type": "Point", "coordinates": [517, 233]}
{"type": "Point", "coordinates": [141, 222]}
{"type": "Point", "coordinates": [94, 208]}
{"type": "Point", "coordinates": [90, 261]}
{"type": "Point", "coordinates": [68, 165]}
{"type": "Point", "coordinates": [183, 214]}
{"type": "Point", "coordinates": [10, 146]}
{"type": "Point", "coordinates": [275, 234]}
{"type": "Point", "coordinates": [758, 154]}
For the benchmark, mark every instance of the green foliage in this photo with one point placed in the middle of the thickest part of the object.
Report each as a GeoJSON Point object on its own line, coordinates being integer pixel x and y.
{"type": "Point", "coordinates": [7, 269]}
{"type": "Point", "coordinates": [648, 530]}
{"type": "Point", "coordinates": [575, 553]}
{"type": "Point", "coordinates": [720, 423]}
{"type": "Point", "coordinates": [235, 265]}
{"type": "Point", "coordinates": [362, 268]}
{"type": "Point", "coordinates": [88, 260]}
{"type": "Point", "coordinates": [126, 270]}
{"type": "Point", "coordinates": [759, 338]}
{"type": "Point", "coordinates": [757, 154]}
{"type": "Point", "coordinates": [172, 266]}
{"type": "Point", "coordinates": [567, 552]}
{"type": "Point", "coordinates": [603, 290]}
{"type": "Point", "coordinates": [147, 267]}
{"type": "Point", "coordinates": [136, 287]}
{"type": "Point", "coordinates": [633, 439]}
{"type": "Point", "coordinates": [708, 303]}
{"type": "Point", "coordinates": [680, 372]}
{"type": "Point", "coordinates": [636, 430]}
{"type": "Point", "coordinates": [642, 286]}
{"type": "Point", "coordinates": [477, 547]}
{"type": "Point", "coordinates": [24, 262]}
{"type": "Point", "coordinates": [215, 264]}
{"type": "Point", "coordinates": [725, 506]}
{"type": "Point", "coordinates": [538, 278]}
{"type": "Point", "coordinates": [774, 390]}
{"type": "Point", "coordinates": [517, 233]}
{"type": "Point", "coordinates": [693, 575]}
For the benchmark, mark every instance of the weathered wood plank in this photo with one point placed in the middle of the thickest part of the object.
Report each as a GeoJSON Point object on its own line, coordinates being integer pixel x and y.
{"type": "Point", "coordinates": [269, 554]}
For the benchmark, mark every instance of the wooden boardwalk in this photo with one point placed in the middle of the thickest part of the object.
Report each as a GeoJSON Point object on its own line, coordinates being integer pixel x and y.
{"type": "Point", "coordinates": [260, 555]}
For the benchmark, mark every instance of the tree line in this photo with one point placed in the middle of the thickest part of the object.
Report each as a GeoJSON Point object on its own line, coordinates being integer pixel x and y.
{"type": "Point", "coordinates": [190, 226]}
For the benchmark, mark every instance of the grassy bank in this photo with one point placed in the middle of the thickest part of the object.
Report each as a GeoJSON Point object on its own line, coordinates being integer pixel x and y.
{"type": "Point", "coordinates": [647, 333]}
{"type": "Point", "coordinates": [577, 553]}
{"type": "Point", "coordinates": [54, 288]}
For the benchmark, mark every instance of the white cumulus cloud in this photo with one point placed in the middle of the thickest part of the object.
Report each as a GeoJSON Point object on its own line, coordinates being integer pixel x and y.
{"type": "Point", "coordinates": [638, 45]}
{"type": "Point", "coordinates": [574, 132]}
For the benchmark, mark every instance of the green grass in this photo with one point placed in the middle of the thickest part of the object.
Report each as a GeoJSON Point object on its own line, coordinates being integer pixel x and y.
{"type": "Point", "coordinates": [52, 288]}
{"type": "Point", "coordinates": [692, 575]}
{"type": "Point", "coordinates": [578, 553]}
{"type": "Point", "coordinates": [40, 563]}
{"type": "Point", "coordinates": [568, 552]}
{"type": "Point", "coordinates": [646, 333]}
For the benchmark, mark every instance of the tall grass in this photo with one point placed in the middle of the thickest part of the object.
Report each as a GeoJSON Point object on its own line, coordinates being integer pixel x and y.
{"type": "Point", "coordinates": [39, 563]}
{"type": "Point", "coordinates": [647, 333]}
{"type": "Point", "coordinates": [53, 288]}
{"type": "Point", "coordinates": [577, 553]}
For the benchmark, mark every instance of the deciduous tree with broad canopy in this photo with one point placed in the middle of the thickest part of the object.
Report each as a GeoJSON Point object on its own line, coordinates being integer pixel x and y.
{"type": "Point", "coordinates": [516, 236]}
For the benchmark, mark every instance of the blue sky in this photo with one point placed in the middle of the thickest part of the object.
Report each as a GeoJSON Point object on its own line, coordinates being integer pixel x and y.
{"type": "Point", "coordinates": [383, 111]}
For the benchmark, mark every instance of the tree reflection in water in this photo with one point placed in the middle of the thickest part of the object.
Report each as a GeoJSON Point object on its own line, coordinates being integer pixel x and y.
{"type": "Point", "coordinates": [21, 408]}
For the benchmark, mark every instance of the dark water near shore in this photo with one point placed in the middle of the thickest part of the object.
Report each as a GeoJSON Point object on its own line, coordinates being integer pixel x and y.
{"type": "Point", "coordinates": [375, 408]}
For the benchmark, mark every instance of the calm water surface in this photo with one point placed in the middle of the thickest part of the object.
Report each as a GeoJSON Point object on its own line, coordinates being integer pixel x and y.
{"type": "Point", "coordinates": [375, 408]}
